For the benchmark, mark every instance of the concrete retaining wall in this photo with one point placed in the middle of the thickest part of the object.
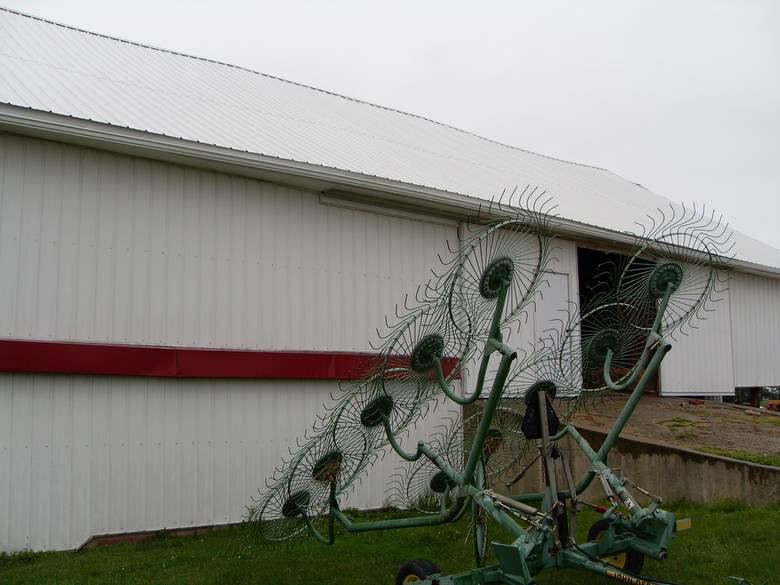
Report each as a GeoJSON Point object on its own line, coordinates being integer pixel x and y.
{"type": "Point", "coordinates": [671, 472]}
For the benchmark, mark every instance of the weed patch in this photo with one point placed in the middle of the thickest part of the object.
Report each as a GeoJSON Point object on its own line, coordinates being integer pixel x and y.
{"type": "Point", "coordinates": [760, 458]}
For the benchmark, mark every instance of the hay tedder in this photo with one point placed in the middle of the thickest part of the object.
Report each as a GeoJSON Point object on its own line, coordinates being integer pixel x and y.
{"type": "Point", "coordinates": [519, 404]}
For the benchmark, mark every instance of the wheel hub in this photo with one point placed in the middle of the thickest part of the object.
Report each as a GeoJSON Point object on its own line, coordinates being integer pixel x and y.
{"type": "Point", "coordinates": [498, 271]}
{"type": "Point", "coordinates": [601, 342]}
{"type": "Point", "coordinates": [663, 276]}
{"type": "Point", "coordinates": [441, 483]}
{"type": "Point", "coordinates": [296, 504]}
{"type": "Point", "coordinates": [376, 411]}
{"type": "Point", "coordinates": [328, 466]}
{"type": "Point", "coordinates": [493, 441]}
{"type": "Point", "coordinates": [545, 386]}
{"type": "Point", "coordinates": [426, 353]}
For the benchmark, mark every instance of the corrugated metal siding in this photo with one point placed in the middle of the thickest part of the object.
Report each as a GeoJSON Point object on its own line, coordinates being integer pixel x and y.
{"type": "Point", "coordinates": [102, 247]}
{"type": "Point", "coordinates": [53, 68]}
{"type": "Point", "coordinates": [702, 361]}
{"type": "Point", "coordinates": [755, 326]}
{"type": "Point", "coordinates": [87, 455]}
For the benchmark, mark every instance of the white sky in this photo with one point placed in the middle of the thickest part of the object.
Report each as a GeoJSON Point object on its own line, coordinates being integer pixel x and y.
{"type": "Point", "coordinates": [682, 97]}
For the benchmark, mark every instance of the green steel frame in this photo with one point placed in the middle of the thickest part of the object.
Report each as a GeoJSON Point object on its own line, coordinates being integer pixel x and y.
{"type": "Point", "coordinates": [545, 542]}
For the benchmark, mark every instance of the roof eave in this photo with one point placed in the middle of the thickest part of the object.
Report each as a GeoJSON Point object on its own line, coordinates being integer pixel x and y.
{"type": "Point", "coordinates": [52, 126]}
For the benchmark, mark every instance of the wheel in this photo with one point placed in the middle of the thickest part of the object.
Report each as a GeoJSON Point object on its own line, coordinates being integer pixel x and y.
{"type": "Point", "coordinates": [417, 570]}
{"type": "Point", "coordinates": [630, 561]}
{"type": "Point", "coordinates": [479, 518]}
{"type": "Point", "coordinates": [480, 537]}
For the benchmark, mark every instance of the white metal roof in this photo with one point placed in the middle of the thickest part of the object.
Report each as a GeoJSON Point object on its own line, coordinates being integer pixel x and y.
{"type": "Point", "coordinates": [48, 67]}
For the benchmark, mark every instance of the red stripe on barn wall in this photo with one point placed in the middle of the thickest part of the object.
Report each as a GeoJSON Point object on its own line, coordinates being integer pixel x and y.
{"type": "Point", "coordinates": [65, 357]}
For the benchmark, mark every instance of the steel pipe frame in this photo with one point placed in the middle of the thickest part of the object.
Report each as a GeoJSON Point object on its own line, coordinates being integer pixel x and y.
{"type": "Point", "coordinates": [513, 568]}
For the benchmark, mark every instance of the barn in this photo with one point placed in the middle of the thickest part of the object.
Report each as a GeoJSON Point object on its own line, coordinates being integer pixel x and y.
{"type": "Point", "coordinates": [195, 254]}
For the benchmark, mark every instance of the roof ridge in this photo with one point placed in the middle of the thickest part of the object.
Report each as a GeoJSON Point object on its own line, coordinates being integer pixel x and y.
{"type": "Point", "coordinates": [310, 87]}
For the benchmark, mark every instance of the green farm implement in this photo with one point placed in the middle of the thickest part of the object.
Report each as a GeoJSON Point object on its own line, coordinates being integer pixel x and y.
{"type": "Point", "coordinates": [519, 405]}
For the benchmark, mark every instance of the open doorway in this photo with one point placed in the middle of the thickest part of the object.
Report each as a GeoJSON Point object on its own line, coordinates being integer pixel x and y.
{"type": "Point", "coordinates": [598, 272]}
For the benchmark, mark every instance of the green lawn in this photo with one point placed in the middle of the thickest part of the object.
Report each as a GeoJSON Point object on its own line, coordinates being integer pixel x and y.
{"type": "Point", "coordinates": [726, 540]}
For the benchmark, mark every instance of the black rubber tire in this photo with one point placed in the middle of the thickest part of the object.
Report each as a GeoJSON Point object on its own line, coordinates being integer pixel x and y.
{"type": "Point", "coordinates": [479, 518]}
{"type": "Point", "coordinates": [634, 560]}
{"type": "Point", "coordinates": [419, 568]}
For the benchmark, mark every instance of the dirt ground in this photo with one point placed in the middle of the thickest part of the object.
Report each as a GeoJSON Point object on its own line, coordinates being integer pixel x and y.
{"type": "Point", "coordinates": [688, 423]}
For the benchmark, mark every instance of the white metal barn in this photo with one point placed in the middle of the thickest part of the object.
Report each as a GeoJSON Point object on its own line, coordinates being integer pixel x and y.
{"type": "Point", "coordinates": [193, 254]}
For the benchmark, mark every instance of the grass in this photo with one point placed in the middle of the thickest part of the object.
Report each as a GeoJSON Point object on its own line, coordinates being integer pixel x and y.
{"type": "Point", "coordinates": [764, 419]}
{"type": "Point", "coordinates": [770, 420]}
{"type": "Point", "coordinates": [761, 458]}
{"type": "Point", "coordinates": [684, 429]}
{"type": "Point", "coordinates": [681, 425]}
{"type": "Point", "coordinates": [726, 539]}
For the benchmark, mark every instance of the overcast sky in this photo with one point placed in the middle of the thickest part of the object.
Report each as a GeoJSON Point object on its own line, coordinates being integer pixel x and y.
{"type": "Point", "coordinates": [681, 97]}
